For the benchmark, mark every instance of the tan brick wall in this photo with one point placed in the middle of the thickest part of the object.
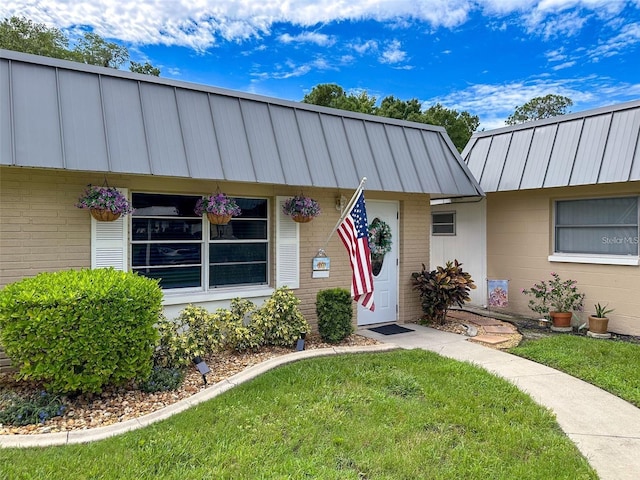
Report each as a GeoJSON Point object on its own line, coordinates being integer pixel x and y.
{"type": "Point", "coordinates": [42, 230]}
{"type": "Point", "coordinates": [519, 236]}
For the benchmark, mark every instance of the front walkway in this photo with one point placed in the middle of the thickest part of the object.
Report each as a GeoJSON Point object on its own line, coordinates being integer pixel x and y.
{"type": "Point", "coordinates": [605, 428]}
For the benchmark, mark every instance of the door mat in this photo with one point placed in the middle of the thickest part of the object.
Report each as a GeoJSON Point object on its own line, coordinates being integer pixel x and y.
{"type": "Point", "coordinates": [391, 329]}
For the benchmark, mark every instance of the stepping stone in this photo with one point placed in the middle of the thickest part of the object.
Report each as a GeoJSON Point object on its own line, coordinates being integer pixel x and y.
{"type": "Point", "coordinates": [490, 339]}
{"type": "Point", "coordinates": [484, 321]}
{"type": "Point", "coordinates": [504, 328]}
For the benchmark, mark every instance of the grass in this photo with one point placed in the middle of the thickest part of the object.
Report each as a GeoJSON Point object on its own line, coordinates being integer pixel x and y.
{"type": "Point", "coordinates": [396, 415]}
{"type": "Point", "coordinates": [613, 366]}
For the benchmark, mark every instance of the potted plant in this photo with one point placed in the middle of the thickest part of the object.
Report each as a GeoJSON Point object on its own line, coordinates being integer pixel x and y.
{"type": "Point", "coordinates": [105, 203]}
{"type": "Point", "coordinates": [599, 322]}
{"type": "Point", "coordinates": [301, 209]}
{"type": "Point", "coordinates": [559, 297]}
{"type": "Point", "coordinates": [218, 207]}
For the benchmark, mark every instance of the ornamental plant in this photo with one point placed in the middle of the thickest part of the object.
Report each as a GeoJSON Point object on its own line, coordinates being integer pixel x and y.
{"type": "Point", "coordinates": [334, 307]}
{"type": "Point", "coordinates": [218, 204]}
{"type": "Point", "coordinates": [104, 198]}
{"type": "Point", "coordinates": [561, 295]}
{"type": "Point", "coordinates": [301, 206]}
{"type": "Point", "coordinates": [441, 288]}
{"type": "Point", "coordinates": [379, 237]}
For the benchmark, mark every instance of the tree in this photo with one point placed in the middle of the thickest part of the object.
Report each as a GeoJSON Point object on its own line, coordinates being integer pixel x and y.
{"type": "Point", "coordinates": [145, 69]}
{"type": "Point", "coordinates": [95, 50]}
{"type": "Point", "coordinates": [23, 35]}
{"type": "Point", "coordinates": [540, 107]}
{"type": "Point", "coordinates": [459, 125]}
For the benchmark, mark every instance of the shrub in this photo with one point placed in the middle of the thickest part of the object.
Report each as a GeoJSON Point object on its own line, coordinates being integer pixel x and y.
{"type": "Point", "coordinates": [335, 314]}
{"type": "Point", "coordinates": [441, 288]}
{"type": "Point", "coordinates": [163, 379]}
{"type": "Point", "coordinates": [80, 330]}
{"type": "Point", "coordinates": [279, 319]}
{"type": "Point", "coordinates": [195, 333]}
{"type": "Point", "coordinates": [29, 410]}
{"type": "Point", "coordinates": [239, 334]}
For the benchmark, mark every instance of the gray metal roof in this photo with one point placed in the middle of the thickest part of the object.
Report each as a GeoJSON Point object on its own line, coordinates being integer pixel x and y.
{"type": "Point", "coordinates": [66, 115]}
{"type": "Point", "coordinates": [590, 147]}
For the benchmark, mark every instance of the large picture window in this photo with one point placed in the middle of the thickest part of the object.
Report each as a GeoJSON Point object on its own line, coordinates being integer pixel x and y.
{"type": "Point", "coordinates": [601, 226]}
{"type": "Point", "coordinates": [171, 243]}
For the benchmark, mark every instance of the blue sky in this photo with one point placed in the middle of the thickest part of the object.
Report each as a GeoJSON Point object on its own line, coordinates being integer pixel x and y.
{"type": "Point", "coordinates": [482, 56]}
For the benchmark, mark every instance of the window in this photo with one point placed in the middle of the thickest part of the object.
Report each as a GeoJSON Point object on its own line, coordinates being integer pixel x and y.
{"type": "Point", "coordinates": [603, 226]}
{"type": "Point", "coordinates": [168, 243]}
{"type": "Point", "coordinates": [443, 223]}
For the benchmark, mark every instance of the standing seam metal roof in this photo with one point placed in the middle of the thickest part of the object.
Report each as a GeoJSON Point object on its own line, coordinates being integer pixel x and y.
{"type": "Point", "coordinates": [591, 147]}
{"type": "Point", "coordinates": [67, 115]}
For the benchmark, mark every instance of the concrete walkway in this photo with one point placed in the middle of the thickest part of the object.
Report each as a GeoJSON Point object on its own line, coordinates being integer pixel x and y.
{"type": "Point", "coordinates": [605, 428]}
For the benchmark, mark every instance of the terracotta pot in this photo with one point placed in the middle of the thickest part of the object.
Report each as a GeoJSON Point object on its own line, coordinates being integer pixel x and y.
{"type": "Point", "coordinates": [104, 215]}
{"type": "Point", "coordinates": [598, 324]}
{"type": "Point", "coordinates": [218, 219]}
{"type": "Point", "coordinates": [561, 319]}
{"type": "Point", "coordinates": [301, 219]}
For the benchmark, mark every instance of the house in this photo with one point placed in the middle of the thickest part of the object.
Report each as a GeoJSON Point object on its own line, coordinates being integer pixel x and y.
{"type": "Point", "coordinates": [561, 196]}
{"type": "Point", "coordinates": [165, 143]}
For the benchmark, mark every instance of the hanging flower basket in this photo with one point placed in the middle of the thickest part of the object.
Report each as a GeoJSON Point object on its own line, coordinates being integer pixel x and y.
{"type": "Point", "coordinates": [103, 215]}
{"type": "Point", "coordinates": [105, 203]}
{"type": "Point", "coordinates": [216, 219]}
{"type": "Point", "coordinates": [301, 218]}
{"type": "Point", "coordinates": [301, 209]}
{"type": "Point", "coordinates": [218, 207]}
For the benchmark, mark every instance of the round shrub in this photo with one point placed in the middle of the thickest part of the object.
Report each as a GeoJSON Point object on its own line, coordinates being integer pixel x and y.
{"type": "Point", "coordinates": [80, 330]}
{"type": "Point", "coordinates": [279, 319]}
{"type": "Point", "coordinates": [335, 314]}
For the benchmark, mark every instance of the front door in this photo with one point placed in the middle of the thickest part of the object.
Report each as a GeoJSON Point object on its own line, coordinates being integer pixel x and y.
{"type": "Point", "coordinates": [385, 278]}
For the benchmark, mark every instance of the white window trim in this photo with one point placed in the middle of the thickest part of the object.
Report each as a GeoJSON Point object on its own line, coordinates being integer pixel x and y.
{"type": "Point", "coordinates": [174, 297]}
{"type": "Point", "coordinates": [596, 259]}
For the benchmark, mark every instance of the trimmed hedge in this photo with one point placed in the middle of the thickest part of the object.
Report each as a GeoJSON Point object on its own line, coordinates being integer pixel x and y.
{"type": "Point", "coordinates": [80, 330]}
{"type": "Point", "coordinates": [335, 314]}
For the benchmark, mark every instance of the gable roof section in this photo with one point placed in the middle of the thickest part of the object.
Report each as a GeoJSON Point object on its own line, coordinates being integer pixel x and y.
{"type": "Point", "coordinates": [67, 115]}
{"type": "Point", "coordinates": [584, 148]}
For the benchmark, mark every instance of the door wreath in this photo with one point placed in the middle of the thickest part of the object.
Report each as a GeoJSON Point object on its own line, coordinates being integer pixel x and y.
{"type": "Point", "coordinates": [379, 243]}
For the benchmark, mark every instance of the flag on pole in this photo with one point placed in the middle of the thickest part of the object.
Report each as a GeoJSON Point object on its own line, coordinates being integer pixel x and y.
{"type": "Point", "coordinates": [354, 233]}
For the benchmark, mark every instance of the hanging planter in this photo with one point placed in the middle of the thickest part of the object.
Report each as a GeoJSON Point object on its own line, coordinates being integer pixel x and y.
{"type": "Point", "coordinates": [106, 204]}
{"type": "Point", "coordinates": [218, 207]}
{"type": "Point", "coordinates": [301, 209]}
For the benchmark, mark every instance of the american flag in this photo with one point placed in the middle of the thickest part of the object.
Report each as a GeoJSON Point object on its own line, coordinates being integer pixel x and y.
{"type": "Point", "coordinates": [354, 233]}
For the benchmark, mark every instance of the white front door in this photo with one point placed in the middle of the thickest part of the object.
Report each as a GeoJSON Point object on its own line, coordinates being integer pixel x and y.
{"type": "Point", "coordinates": [385, 281]}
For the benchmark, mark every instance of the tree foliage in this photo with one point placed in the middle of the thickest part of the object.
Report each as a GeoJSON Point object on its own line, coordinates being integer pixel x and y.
{"type": "Point", "coordinates": [459, 125]}
{"type": "Point", "coordinates": [23, 35]}
{"type": "Point", "coordinates": [540, 107]}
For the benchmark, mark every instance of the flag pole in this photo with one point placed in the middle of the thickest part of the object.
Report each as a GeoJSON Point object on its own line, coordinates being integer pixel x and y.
{"type": "Point", "coordinates": [346, 210]}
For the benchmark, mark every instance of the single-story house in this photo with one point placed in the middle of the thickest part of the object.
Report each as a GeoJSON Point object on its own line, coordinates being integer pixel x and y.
{"type": "Point", "coordinates": [64, 125]}
{"type": "Point", "coordinates": [561, 196]}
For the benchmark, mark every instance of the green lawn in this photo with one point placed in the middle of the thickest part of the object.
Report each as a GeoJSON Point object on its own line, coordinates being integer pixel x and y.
{"type": "Point", "coordinates": [396, 415]}
{"type": "Point", "coordinates": [613, 366]}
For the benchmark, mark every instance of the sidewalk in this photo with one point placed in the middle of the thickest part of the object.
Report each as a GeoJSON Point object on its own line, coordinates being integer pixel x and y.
{"type": "Point", "coordinates": [605, 428]}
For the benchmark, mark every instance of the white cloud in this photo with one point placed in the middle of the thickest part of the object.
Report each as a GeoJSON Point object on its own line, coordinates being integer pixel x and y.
{"type": "Point", "coordinates": [392, 53]}
{"type": "Point", "coordinates": [628, 37]}
{"type": "Point", "coordinates": [292, 69]}
{"type": "Point", "coordinates": [364, 47]}
{"type": "Point", "coordinates": [564, 65]}
{"type": "Point", "coordinates": [308, 37]}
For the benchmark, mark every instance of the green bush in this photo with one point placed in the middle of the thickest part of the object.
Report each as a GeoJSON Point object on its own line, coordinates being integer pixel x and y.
{"type": "Point", "coordinates": [80, 330]}
{"type": "Point", "coordinates": [441, 288]}
{"type": "Point", "coordinates": [163, 379]}
{"type": "Point", "coordinates": [195, 333]}
{"type": "Point", "coordinates": [239, 334]}
{"type": "Point", "coordinates": [37, 408]}
{"type": "Point", "coordinates": [335, 314]}
{"type": "Point", "coordinates": [279, 320]}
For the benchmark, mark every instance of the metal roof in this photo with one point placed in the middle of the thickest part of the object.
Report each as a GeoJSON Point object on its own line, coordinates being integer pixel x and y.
{"type": "Point", "coordinates": [67, 115]}
{"type": "Point", "coordinates": [590, 147]}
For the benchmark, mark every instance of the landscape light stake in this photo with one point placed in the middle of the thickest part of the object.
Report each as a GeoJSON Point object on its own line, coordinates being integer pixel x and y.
{"type": "Point", "coordinates": [300, 343]}
{"type": "Point", "coordinates": [202, 367]}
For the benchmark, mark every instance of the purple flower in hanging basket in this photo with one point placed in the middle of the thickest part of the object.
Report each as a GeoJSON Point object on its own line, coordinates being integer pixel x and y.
{"type": "Point", "coordinates": [104, 198]}
{"type": "Point", "coordinates": [218, 204]}
{"type": "Point", "coordinates": [301, 206]}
